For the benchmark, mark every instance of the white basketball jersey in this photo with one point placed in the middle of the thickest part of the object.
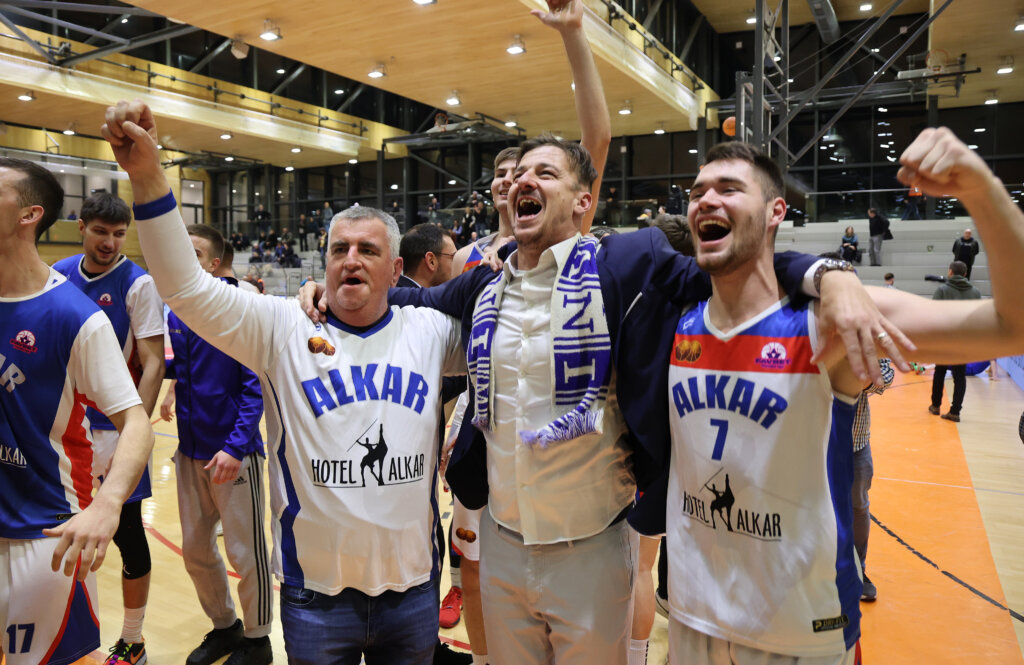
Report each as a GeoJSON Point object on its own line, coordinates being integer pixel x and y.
{"type": "Point", "coordinates": [759, 516]}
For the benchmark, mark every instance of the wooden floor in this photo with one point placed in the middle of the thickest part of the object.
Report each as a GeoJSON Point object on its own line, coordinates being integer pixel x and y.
{"type": "Point", "coordinates": [946, 551]}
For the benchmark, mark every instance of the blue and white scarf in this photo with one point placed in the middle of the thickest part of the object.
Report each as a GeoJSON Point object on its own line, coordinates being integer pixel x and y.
{"type": "Point", "coordinates": [580, 349]}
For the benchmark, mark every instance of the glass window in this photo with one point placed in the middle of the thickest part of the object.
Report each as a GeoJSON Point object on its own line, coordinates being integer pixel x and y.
{"type": "Point", "coordinates": [650, 155]}
{"type": "Point", "coordinates": [192, 192]}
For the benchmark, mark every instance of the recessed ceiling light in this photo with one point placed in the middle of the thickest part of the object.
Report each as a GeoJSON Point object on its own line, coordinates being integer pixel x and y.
{"type": "Point", "coordinates": [271, 32]}
{"type": "Point", "coordinates": [424, 2]}
{"type": "Point", "coordinates": [296, 149]}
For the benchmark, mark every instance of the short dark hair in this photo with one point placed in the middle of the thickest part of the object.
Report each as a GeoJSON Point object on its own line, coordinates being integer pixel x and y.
{"type": "Point", "coordinates": [577, 156]}
{"type": "Point", "coordinates": [677, 230]}
{"type": "Point", "coordinates": [505, 155]}
{"type": "Point", "coordinates": [417, 241]}
{"type": "Point", "coordinates": [228, 256]}
{"type": "Point", "coordinates": [767, 171]}
{"type": "Point", "coordinates": [38, 187]}
{"type": "Point", "coordinates": [889, 275]}
{"type": "Point", "coordinates": [958, 268]}
{"type": "Point", "coordinates": [211, 234]}
{"type": "Point", "coordinates": [105, 207]}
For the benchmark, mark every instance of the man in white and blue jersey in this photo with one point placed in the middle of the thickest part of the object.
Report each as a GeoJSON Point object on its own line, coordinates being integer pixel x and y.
{"type": "Point", "coordinates": [763, 564]}
{"type": "Point", "coordinates": [58, 356]}
{"type": "Point", "coordinates": [355, 551]}
{"type": "Point", "coordinates": [126, 294]}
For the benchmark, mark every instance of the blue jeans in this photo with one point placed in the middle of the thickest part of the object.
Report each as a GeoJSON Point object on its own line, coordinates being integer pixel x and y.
{"type": "Point", "coordinates": [396, 627]}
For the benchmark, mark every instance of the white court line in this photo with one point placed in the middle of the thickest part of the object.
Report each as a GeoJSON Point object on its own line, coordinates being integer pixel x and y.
{"type": "Point", "coordinates": [959, 487]}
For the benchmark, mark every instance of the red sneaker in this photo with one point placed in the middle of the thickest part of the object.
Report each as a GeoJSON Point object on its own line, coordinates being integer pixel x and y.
{"type": "Point", "coordinates": [451, 608]}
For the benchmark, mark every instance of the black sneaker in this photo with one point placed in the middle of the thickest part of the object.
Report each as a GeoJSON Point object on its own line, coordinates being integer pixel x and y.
{"type": "Point", "coordinates": [870, 593]}
{"type": "Point", "coordinates": [934, 410]}
{"type": "Point", "coordinates": [955, 417]}
{"type": "Point", "coordinates": [252, 651]}
{"type": "Point", "coordinates": [445, 655]}
{"type": "Point", "coordinates": [217, 643]}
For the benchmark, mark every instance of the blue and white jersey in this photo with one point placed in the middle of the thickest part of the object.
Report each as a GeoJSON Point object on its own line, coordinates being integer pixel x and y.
{"type": "Point", "coordinates": [127, 295]}
{"type": "Point", "coordinates": [759, 521]}
{"type": "Point", "coordinates": [55, 359]}
{"type": "Point", "coordinates": [351, 419]}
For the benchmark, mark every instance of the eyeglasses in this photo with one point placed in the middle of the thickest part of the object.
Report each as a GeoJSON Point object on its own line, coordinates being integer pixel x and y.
{"type": "Point", "coordinates": [450, 254]}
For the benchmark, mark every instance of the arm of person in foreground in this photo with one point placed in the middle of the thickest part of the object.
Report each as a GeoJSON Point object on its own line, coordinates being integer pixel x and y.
{"type": "Point", "coordinates": [88, 533]}
{"type": "Point", "coordinates": [151, 357]}
{"type": "Point", "coordinates": [236, 322]}
{"type": "Point", "coordinates": [566, 16]}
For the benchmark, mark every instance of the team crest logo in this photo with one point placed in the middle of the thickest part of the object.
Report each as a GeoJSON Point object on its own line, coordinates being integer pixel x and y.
{"type": "Point", "coordinates": [25, 341]}
{"type": "Point", "coordinates": [773, 356]}
{"type": "Point", "coordinates": [320, 345]}
{"type": "Point", "coordinates": [105, 300]}
{"type": "Point", "coordinates": [688, 350]}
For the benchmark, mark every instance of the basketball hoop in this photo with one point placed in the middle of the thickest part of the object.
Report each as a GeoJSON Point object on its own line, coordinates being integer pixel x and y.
{"type": "Point", "coordinates": [936, 60]}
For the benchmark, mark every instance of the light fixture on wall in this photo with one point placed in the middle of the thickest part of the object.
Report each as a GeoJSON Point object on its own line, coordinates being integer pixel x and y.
{"type": "Point", "coordinates": [517, 47]}
{"type": "Point", "coordinates": [271, 32]}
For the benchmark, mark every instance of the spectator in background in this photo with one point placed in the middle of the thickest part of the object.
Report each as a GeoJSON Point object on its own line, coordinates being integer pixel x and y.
{"type": "Point", "coordinates": [321, 244]}
{"type": "Point", "coordinates": [262, 218]}
{"type": "Point", "coordinates": [878, 227]}
{"type": "Point", "coordinates": [302, 229]}
{"type": "Point", "coordinates": [965, 249]}
{"type": "Point", "coordinates": [912, 204]}
{"type": "Point", "coordinates": [956, 288]}
{"type": "Point", "coordinates": [326, 214]}
{"type": "Point", "coordinates": [72, 216]}
{"type": "Point", "coordinates": [848, 246]}
{"type": "Point", "coordinates": [890, 280]}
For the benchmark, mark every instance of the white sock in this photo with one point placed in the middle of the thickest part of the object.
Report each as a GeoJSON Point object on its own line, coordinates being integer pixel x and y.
{"type": "Point", "coordinates": [638, 652]}
{"type": "Point", "coordinates": [456, 575]}
{"type": "Point", "coordinates": [479, 659]}
{"type": "Point", "coordinates": [131, 632]}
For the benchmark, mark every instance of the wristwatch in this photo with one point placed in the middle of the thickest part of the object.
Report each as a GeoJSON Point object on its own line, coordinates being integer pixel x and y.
{"type": "Point", "coordinates": [828, 265]}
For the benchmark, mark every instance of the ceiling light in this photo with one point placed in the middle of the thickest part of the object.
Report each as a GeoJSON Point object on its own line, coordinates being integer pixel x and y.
{"type": "Point", "coordinates": [979, 130]}
{"type": "Point", "coordinates": [353, 161]}
{"type": "Point", "coordinates": [271, 32]}
{"type": "Point", "coordinates": [866, 7]}
{"type": "Point", "coordinates": [453, 99]}
{"type": "Point", "coordinates": [124, 20]}
{"type": "Point", "coordinates": [378, 72]}
{"type": "Point", "coordinates": [1007, 66]}
{"type": "Point", "coordinates": [693, 151]}
{"type": "Point", "coordinates": [27, 96]}
{"type": "Point", "coordinates": [424, 2]}
{"type": "Point", "coordinates": [517, 46]}
{"type": "Point", "coordinates": [992, 99]}
{"type": "Point", "coordinates": [296, 149]}
{"type": "Point", "coordinates": [973, 146]}
{"type": "Point", "coordinates": [875, 50]}
{"type": "Point", "coordinates": [1019, 26]}
{"type": "Point", "coordinates": [234, 191]}
{"type": "Point", "coordinates": [882, 109]}
{"type": "Point", "coordinates": [289, 168]}
{"type": "Point", "coordinates": [229, 158]}
{"type": "Point", "coordinates": [451, 182]}
{"type": "Point", "coordinates": [70, 131]}
{"type": "Point", "coordinates": [777, 58]}
{"type": "Point", "coordinates": [159, 146]}
{"type": "Point", "coordinates": [227, 136]}
{"type": "Point", "coordinates": [339, 91]}
{"type": "Point", "coordinates": [627, 109]}
{"type": "Point", "coordinates": [394, 187]}
{"type": "Point", "coordinates": [511, 123]}
{"type": "Point", "coordinates": [660, 129]}
{"type": "Point", "coordinates": [751, 18]}
{"type": "Point", "coordinates": [281, 70]}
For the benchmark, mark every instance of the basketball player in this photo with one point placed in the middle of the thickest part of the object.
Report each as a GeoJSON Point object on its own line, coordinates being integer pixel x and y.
{"type": "Point", "coordinates": [358, 562]}
{"type": "Point", "coordinates": [126, 294]}
{"type": "Point", "coordinates": [219, 471]}
{"type": "Point", "coordinates": [759, 410]}
{"type": "Point", "coordinates": [58, 354]}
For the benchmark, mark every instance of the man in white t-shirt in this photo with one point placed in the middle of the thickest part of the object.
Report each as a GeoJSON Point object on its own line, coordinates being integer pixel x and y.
{"type": "Point", "coordinates": [355, 552]}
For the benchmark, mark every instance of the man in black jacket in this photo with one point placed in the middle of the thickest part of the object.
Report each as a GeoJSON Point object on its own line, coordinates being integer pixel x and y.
{"type": "Point", "coordinates": [878, 226]}
{"type": "Point", "coordinates": [956, 287]}
{"type": "Point", "coordinates": [965, 249]}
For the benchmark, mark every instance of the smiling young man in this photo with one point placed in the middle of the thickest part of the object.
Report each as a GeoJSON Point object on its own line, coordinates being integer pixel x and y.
{"type": "Point", "coordinates": [126, 294]}
{"type": "Point", "coordinates": [759, 408]}
{"type": "Point", "coordinates": [357, 561]}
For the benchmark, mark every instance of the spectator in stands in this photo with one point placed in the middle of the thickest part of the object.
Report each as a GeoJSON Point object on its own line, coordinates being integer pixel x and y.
{"type": "Point", "coordinates": [912, 204]}
{"type": "Point", "coordinates": [878, 227]}
{"type": "Point", "coordinates": [890, 280]}
{"type": "Point", "coordinates": [262, 218]}
{"type": "Point", "coordinates": [326, 214]}
{"type": "Point", "coordinates": [257, 255]}
{"type": "Point", "coordinates": [321, 244]}
{"type": "Point", "coordinates": [848, 246]}
{"type": "Point", "coordinates": [302, 229]}
{"type": "Point", "coordinates": [72, 216]}
{"type": "Point", "coordinates": [965, 249]}
{"type": "Point", "coordinates": [957, 287]}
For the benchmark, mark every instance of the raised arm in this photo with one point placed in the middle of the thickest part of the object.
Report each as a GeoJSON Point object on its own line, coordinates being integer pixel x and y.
{"type": "Point", "coordinates": [566, 16]}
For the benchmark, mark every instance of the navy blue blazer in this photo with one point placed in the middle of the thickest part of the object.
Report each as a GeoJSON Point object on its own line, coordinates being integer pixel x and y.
{"type": "Point", "coordinates": [645, 284]}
